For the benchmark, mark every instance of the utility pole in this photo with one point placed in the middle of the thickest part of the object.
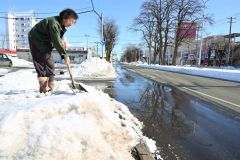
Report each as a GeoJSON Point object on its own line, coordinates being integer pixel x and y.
{"type": "Point", "coordinates": [88, 56]}
{"type": "Point", "coordinates": [198, 27]}
{"type": "Point", "coordinates": [102, 31]}
{"type": "Point", "coordinates": [97, 48]}
{"type": "Point", "coordinates": [229, 40]}
{"type": "Point", "coordinates": [101, 19]}
{"type": "Point", "coordinates": [200, 50]}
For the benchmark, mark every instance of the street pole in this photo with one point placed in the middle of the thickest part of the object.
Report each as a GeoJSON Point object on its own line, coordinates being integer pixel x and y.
{"type": "Point", "coordinates": [200, 50]}
{"type": "Point", "coordinates": [97, 48]}
{"type": "Point", "coordinates": [102, 25]}
{"type": "Point", "coordinates": [102, 31]}
{"type": "Point", "coordinates": [87, 46]}
{"type": "Point", "coordinates": [197, 42]}
{"type": "Point", "coordinates": [229, 41]}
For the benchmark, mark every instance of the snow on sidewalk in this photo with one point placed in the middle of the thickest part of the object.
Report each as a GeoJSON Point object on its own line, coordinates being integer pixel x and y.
{"type": "Point", "coordinates": [63, 125]}
{"type": "Point", "coordinates": [3, 71]}
{"type": "Point", "coordinates": [224, 74]}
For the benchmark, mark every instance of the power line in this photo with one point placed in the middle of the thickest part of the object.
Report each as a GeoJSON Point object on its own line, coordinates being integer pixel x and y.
{"type": "Point", "coordinates": [18, 18]}
{"type": "Point", "coordinates": [51, 12]}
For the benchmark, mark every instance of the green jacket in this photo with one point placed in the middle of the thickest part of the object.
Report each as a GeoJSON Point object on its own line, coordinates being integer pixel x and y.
{"type": "Point", "coordinates": [48, 34]}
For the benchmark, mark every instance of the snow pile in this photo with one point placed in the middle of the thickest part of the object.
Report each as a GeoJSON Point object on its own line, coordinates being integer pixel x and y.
{"type": "Point", "coordinates": [135, 63]}
{"type": "Point", "coordinates": [17, 62]}
{"type": "Point", "coordinates": [3, 71]}
{"type": "Point", "coordinates": [225, 74]}
{"type": "Point", "coordinates": [92, 68]}
{"type": "Point", "coordinates": [95, 67]}
{"type": "Point", "coordinates": [63, 125]}
{"type": "Point", "coordinates": [224, 67]}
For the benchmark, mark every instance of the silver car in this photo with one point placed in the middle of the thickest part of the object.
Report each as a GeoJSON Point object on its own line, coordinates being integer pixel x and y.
{"type": "Point", "coordinates": [5, 61]}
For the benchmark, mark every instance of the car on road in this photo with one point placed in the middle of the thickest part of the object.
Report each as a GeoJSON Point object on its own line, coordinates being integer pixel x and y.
{"type": "Point", "coordinates": [5, 60]}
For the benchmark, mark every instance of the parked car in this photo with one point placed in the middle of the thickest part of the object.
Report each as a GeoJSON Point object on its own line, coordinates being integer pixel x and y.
{"type": "Point", "coordinates": [5, 61]}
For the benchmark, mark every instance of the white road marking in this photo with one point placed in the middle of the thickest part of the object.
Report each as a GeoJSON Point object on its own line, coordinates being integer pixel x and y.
{"type": "Point", "coordinates": [212, 97]}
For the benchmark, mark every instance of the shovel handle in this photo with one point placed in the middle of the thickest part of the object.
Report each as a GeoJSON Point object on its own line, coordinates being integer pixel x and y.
{"type": "Point", "coordinates": [69, 69]}
{"type": "Point", "coordinates": [71, 74]}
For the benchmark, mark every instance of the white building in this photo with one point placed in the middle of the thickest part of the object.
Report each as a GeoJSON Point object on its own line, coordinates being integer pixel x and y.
{"type": "Point", "coordinates": [18, 26]}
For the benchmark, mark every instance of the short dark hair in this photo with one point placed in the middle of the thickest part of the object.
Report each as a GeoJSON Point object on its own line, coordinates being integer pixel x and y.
{"type": "Point", "coordinates": [68, 13]}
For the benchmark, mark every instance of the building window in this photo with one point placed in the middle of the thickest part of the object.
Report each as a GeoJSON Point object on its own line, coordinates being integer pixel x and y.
{"type": "Point", "coordinates": [22, 24]}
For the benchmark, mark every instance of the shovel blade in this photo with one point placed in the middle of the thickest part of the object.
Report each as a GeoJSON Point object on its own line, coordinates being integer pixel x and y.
{"type": "Point", "coordinates": [78, 87]}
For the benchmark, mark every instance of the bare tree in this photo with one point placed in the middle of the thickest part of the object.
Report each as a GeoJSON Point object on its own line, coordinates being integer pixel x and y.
{"type": "Point", "coordinates": [145, 24]}
{"type": "Point", "coordinates": [162, 11]}
{"type": "Point", "coordinates": [155, 23]}
{"type": "Point", "coordinates": [187, 11]}
{"type": "Point", "coordinates": [132, 53]}
{"type": "Point", "coordinates": [160, 22]}
{"type": "Point", "coordinates": [110, 34]}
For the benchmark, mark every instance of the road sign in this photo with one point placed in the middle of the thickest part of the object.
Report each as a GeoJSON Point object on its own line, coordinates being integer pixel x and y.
{"type": "Point", "coordinates": [102, 42]}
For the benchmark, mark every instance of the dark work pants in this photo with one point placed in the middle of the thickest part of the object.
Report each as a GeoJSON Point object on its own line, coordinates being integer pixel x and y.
{"type": "Point", "coordinates": [43, 62]}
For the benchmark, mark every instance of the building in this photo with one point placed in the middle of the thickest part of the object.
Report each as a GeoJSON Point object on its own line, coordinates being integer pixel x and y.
{"type": "Point", "coordinates": [76, 54]}
{"type": "Point", "coordinates": [18, 25]}
{"type": "Point", "coordinates": [188, 52]}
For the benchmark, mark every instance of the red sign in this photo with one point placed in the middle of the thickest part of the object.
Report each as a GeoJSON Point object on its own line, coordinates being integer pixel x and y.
{"type": "Point", "coordinates": [8, 52]}
{"type": "Point", "coordinates": [188, 30]}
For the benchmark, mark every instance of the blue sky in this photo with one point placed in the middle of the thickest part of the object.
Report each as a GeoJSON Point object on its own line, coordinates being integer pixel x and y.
{"type": "Point", "coordinates": [123, 11]}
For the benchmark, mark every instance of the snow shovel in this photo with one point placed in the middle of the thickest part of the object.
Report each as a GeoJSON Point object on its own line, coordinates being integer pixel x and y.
{"type": "Point", "coordinates": [74, 86]}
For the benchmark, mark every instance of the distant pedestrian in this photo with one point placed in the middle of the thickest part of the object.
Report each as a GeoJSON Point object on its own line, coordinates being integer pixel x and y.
{"type": "Point", "coordinates": [43, 37]}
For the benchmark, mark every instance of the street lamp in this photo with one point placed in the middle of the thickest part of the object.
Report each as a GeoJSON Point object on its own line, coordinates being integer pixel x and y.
{"type": "Point", "coordinates": [88, 55]}
{"type": "Point", "coordinates": [200, 50]}
{"type": "Point", "coordinates": [101, 19]}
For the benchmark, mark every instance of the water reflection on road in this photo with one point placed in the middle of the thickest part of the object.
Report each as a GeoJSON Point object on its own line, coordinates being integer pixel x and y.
{"type": "Point", "coordinates": [184, 127]}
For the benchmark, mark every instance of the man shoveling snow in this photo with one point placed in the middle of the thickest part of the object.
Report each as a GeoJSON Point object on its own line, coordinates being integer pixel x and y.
{"type": "Point", "coordinates": [45, 36]}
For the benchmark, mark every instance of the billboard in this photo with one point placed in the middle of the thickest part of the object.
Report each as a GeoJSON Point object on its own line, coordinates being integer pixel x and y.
{"type": "Point", "coordinates": [188, 30]}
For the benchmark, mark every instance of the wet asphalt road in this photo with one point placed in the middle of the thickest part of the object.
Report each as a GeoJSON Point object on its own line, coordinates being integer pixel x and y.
{"type": "Point", "coordinates": [184, 127]}
{"type": "Point", "coordinates": [225, 94]}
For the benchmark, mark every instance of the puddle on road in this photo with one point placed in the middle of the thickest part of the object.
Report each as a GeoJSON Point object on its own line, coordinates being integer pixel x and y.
{"type": "Point", "coordinates": [184, 127]}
